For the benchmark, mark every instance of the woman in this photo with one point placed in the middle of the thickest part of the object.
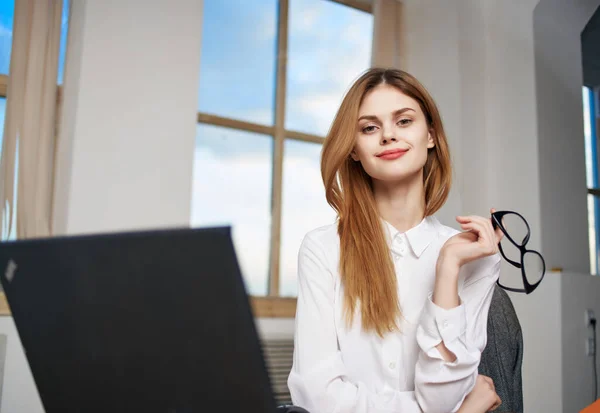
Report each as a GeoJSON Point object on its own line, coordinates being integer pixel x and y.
{"type": "Point", "coordinates": [392, 305]}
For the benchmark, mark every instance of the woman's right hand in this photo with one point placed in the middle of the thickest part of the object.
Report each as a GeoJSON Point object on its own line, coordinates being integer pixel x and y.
{"type": "Point", "coordinates": [483, 397]}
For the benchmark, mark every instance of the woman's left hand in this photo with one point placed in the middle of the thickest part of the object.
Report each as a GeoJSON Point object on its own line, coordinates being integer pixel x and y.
{"type": "Point", "coordinates": [479, 240]}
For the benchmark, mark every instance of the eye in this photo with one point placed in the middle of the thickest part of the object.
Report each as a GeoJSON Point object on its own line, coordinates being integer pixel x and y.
{"type": "Point", "coordinates": [369, 129]}
{"type": "Point", "coordinates": [404, 122]}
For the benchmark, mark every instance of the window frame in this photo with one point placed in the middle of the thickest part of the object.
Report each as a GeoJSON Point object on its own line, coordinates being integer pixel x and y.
{"type": "Point", "coordinates": [4, 310]}
{"type": "Point", "coordinates": [3, 85]}
{"type": "Point", "coordinates": [273, 305]}
{"type": "Point", "coordinates": [594, 113]}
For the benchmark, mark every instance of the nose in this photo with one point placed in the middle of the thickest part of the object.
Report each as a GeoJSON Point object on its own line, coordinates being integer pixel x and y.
{"type": "Point", "coordinates": [388, 135]}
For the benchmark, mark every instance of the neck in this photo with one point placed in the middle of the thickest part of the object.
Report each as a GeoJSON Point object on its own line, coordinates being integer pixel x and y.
{"type": "Point", "coordinates": [401, 204]}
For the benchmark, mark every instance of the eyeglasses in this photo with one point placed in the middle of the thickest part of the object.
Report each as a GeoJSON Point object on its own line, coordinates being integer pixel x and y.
{"type": "Point", "coordinates": [513, 249]}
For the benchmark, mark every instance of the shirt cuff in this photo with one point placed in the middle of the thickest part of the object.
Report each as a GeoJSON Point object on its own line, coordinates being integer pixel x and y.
{"type": "Point", "coordinates": [440, 325]}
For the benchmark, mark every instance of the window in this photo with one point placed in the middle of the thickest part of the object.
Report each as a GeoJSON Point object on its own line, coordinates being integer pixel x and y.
{"type": "Point", "coordinates": [273, 74]}
{"type": "Point", "coordinates": [591, 117]}
{"type": "Point", "coordinates": [7, 10]}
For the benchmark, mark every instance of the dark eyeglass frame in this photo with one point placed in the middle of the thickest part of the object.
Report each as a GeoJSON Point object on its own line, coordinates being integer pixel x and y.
{"type": "Point", "coordinates": [497, 223]}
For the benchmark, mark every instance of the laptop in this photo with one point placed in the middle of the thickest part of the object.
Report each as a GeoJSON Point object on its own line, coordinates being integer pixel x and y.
{"type": "Point", "coordinates": [150, 321]}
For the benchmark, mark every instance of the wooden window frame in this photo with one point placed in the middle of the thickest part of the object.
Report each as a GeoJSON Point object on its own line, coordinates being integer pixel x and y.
{"type": "Point", "coordinates": [272, 305]}
{"type": "Point", "coordinates": [3, 85]}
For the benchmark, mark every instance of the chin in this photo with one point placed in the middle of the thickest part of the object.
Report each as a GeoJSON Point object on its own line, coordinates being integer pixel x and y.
{"type": "Point", "coordinates": [394, 173]}
{"type": "Point", "coordinates": [394, 177]}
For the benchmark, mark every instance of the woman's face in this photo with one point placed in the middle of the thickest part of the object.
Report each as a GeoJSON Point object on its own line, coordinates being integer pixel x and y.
{"type": "Point", "coordinates": [392, 136]}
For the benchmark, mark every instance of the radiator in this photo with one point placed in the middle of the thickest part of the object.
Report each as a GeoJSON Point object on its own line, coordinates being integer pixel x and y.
{"type": "Point", "coordinates": [278, 358]}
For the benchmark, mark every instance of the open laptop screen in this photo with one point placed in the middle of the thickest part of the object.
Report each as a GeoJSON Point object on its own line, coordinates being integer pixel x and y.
{"type": "Point", "coordinates": [154, 321]}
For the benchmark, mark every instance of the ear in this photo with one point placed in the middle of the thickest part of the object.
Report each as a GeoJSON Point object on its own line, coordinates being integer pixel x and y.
{"type": "Point", "coordinates": [430, 142]}
{"type": "Point", "coordinates": [354, 156]}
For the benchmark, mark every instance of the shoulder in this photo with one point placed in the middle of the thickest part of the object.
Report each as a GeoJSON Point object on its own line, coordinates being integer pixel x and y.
{"type": "Point", "coordinates": [322, 240]}
{"type": "Point", "coordinates": [319, 254]}
{"type": "Point", "coordinates": [443, 231]}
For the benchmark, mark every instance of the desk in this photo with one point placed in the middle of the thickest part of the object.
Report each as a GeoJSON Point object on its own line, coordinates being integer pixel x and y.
{"type": "Point", "coordinates": [4, 310]}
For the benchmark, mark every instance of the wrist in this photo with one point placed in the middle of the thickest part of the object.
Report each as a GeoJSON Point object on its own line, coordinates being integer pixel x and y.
{"type": "Point", "coordinates": [447, 265]}
{"type": "Point", "coordinates": [445, 289]}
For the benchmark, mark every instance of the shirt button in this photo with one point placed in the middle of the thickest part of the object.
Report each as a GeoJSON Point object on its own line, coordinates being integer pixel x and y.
{"type": "Point", "coordinates": [445, 324]}
{"type": "Point", "coordinates": [392, 365]}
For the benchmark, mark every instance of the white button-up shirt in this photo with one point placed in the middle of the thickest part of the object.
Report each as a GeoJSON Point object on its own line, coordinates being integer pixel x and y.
{"type": "Point", "coordinates": [341, 369]}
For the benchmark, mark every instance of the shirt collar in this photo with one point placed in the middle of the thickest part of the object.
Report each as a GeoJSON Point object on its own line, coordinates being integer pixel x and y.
{"type": "Point", "coordinates": [419, 237]}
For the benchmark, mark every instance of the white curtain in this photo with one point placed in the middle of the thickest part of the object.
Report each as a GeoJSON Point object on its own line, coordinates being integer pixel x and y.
{"type": "Point", "coordinates": [388, 49]}
{"type": "Point", "coordinates": [29, 128]}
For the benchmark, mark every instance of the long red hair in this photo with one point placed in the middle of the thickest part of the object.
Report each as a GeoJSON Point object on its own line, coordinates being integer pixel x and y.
{"type": "Point", "coordinates": [366, 267]}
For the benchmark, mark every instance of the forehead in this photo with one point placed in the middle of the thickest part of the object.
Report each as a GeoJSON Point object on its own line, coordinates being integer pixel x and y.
{"type": "Point", "coordinates": [385, 99]}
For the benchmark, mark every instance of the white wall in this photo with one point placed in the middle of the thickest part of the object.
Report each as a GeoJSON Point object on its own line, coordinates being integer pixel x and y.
{"type": "Point", "coordinates": [125, 152]}
{"type": "Point", "coordinates": [19, 393]}
{"type": "Point", "coordinates": [579, 293]}
{"type": "Point", "coordinates": [510, 95]}
{"type": "Point", "coordinates": [557, 372]}
{"type": "Point", "coordinates": [540, 316]}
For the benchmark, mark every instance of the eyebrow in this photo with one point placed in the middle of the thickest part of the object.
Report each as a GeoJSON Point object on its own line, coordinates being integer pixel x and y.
{"type": "Point", "coordinates": [395, 113]}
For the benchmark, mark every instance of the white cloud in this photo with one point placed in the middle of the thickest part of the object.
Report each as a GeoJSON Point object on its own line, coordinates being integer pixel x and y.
{"type": "Point", "coordinates": [320, 75]}
{"type": "Point", "coordinates": [5, 31]}
{"type": "Point", "coordinates": [306, 19]}
{"type": "Point", "coordinates": [237, 190]}
{"type": "Point", "coordinates": [267, 27]}
{"type": "Point", "coordinates": [319, 109]}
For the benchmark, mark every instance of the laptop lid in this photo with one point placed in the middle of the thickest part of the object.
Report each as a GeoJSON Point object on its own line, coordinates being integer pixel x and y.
{"type": "Point", "coordinates": [153, 321]}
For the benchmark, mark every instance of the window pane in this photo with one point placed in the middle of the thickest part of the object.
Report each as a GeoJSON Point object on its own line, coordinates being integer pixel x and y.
{"type": "Point", "coordinates": [329, 46]}
{"type": "Point", "coordinates": [232, 186]}
{"type": "Point", "coordinates": [590, 144]}
{"type": "Point", "coordinates": [13, 233]}
{"type": "Point", "coordinates": [2, 115]}
{"type": "Point", "coordinates": [64, 25]}
{"type": "Point", "coordinates": [304, 206]}
{"type": "Point", "coordinates": [7, 11]}
{"type": "Point", "coordinates": [237, 66]}
{"type": "Point", "coordinates": [592, 203]}
{"type": "Point", "coordinates": [591, 166]}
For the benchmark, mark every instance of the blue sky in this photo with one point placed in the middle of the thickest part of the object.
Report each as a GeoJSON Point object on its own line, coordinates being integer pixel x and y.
{"type": "Point", "coordinates": [329, 45]}
{"type": "Point", "coordinates": [7, 10]}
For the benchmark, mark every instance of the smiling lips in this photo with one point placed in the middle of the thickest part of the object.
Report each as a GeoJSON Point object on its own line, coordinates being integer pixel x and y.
{"type": "Point", "coordinates": [392, 154]}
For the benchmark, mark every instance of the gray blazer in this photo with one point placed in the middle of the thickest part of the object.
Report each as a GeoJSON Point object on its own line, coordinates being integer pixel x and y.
{"type": "Point", "coordinates": [503, 355]}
